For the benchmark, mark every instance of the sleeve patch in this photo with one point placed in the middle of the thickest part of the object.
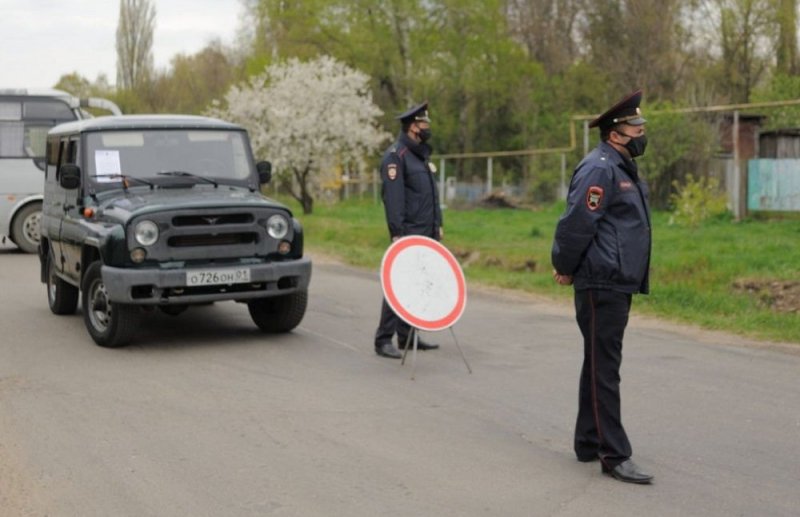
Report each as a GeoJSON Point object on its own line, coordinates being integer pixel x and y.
{"type": "Point", "coordinates": [391, 171]}
{"type": "Point", "coordinates": [594, 197]}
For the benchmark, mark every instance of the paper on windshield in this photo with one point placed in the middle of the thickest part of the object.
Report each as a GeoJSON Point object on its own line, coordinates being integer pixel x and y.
{"type": "Point", "coordinates": [106, 163]}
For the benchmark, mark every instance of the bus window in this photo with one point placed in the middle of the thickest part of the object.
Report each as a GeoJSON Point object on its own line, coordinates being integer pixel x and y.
{"type": "Point", "coordinates": [24, 126]}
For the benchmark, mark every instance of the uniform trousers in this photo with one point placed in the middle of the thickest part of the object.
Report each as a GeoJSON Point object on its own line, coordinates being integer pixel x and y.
{"type": "Point", "coordinates": [390, 325]}
{"type": "Point", "coordinates": [602, 317]}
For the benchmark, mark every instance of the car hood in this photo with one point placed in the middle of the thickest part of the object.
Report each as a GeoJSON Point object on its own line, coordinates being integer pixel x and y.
{"type": "Point", "coordinates": [143, 201]}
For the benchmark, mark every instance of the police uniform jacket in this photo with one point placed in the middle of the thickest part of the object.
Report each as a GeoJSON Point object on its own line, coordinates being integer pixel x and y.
{"type": "Point", "coordinates": [603, 239]}
{"type": "Point", "coordinates": [410, 195]}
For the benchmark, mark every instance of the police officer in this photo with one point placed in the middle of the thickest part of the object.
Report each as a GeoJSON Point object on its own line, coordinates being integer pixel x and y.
{"type": "Point", "coordinates": [602, 247]}
{"type": "Point", "coordinates": [411, 202]}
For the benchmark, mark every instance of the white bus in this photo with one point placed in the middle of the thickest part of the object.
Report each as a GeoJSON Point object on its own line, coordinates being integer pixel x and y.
{"type": "Point", "coordinates": [25, 117]}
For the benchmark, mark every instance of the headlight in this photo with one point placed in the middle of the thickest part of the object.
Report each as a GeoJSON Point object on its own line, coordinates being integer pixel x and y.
{"type": "Point", "coordinates": [146, 233]}
{"type": "Point", "coordinates": [277, 226]}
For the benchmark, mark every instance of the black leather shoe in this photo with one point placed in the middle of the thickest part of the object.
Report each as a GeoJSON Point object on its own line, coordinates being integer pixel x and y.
{"type": "Point", "coordinates": [628, 472]}
{"type": "Point", "coordinates": [421, 345]}
{"type": "Point", "coordinates": [388, 350]}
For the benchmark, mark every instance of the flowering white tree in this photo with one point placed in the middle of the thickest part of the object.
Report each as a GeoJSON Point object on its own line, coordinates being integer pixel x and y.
{"type": "Point", "coordinates": [305, 116]}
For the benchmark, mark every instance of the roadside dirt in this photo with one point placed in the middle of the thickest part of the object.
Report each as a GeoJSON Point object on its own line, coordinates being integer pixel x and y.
{"type": "Point", "coordinates": [782, 296]}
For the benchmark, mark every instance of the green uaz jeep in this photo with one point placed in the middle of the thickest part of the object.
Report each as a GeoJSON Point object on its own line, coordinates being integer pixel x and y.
{"type": "Point", "coordinates": [164, 211]}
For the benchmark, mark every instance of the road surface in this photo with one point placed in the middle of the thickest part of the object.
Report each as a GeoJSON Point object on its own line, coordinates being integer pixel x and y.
{"type": "Point", "coordinates": [204, 416]}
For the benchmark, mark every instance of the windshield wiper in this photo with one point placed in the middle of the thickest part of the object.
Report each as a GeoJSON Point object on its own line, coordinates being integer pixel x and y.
{"type": "Point", "coordinates": [185, 174]}
{"type": "Point", "coordinates": [126, 179]}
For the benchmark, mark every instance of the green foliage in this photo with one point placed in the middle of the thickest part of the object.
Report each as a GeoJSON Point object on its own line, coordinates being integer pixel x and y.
{"type": "Point", "coordinates": [781, 87]}
{"type": "Point", "coordinates": [677, 144]}
{"type": "Point", "coordinates": [697, 200]}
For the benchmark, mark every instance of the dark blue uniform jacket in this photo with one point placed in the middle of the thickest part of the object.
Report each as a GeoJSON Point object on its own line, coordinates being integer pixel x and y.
{"type": "Point", "coordinates": [603, 237]}
{"type": "Point", "coordinates": [410, 195]}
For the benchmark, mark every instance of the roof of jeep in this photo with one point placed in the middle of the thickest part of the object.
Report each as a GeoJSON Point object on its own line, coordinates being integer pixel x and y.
{"type": "Point", "coordinates": [144, 122]}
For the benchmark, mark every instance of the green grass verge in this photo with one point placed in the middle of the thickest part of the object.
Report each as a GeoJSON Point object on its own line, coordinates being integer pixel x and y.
{"type": "Point", "coordinates": [692, 272]}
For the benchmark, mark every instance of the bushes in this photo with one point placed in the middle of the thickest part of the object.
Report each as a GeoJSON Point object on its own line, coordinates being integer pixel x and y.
{"type": "Point", "coordinates": [697, 200]}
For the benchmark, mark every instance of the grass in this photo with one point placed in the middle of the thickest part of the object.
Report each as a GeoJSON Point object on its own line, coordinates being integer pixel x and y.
{"type": "Point", "coordinates": [692, 270]}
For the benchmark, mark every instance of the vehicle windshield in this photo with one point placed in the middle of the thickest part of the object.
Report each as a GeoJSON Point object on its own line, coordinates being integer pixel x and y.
{"type": "Point", "coordinates": [220, 155]}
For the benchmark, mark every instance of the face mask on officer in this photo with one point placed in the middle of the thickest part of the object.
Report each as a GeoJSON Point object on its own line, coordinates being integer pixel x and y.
{"type": "Point", "coordinates": [424, 133]}
{"type": "Point", "coordinates": [635, 145]}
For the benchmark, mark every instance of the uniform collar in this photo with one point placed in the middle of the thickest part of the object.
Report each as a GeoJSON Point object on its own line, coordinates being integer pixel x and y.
{"type": "Point", "coordinates": [627, 164]}
{"type": "Point", "coordinates": [422, 150]}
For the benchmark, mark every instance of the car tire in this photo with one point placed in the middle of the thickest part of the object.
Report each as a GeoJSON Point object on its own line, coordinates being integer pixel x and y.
{"type": "Point", "coordinates": [111, 325]}
{"type": "Point", "coordinates": [25, 228]}
{"type": "Point", "coordinates": [280, 313]}
{"type": "Point", "coordinates": [62, 297]}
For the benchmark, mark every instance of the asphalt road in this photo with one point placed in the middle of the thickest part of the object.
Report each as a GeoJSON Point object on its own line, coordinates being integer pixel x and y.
{"type": "Point", "coordinates": [204, 416]}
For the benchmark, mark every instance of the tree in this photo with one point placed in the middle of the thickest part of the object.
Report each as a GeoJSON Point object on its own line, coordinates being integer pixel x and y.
{"type": "Point", "coordinates": [547, 29]}
{"type": "Point", "coordinates": [193, 81]}
{"type": "Point", "coordinates": [307, 117]}
{"type": "Point", "coordinates": [637, 44]}
{"type": "Point", "coordinates": [787, 37]}
{"type": "Point", "coordinates": [744, 31]}
{"type": "Point", "coordinates": [135, 43]}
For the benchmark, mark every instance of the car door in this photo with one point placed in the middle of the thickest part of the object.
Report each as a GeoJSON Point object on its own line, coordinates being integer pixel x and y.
{"type": "Point", "coordinates": [72, 231]}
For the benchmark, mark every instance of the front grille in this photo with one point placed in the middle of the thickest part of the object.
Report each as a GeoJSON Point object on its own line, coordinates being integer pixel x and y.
{"type": "Point", "coordinates": [211, 220]}
{"type": "Point", "coordinates": [209, 234]}
{"type": "Point", "coordinates": [227, 239]}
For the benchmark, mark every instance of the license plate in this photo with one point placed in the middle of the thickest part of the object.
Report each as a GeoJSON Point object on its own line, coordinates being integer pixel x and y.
{"type": "Point", "coordinates": [217, 276]}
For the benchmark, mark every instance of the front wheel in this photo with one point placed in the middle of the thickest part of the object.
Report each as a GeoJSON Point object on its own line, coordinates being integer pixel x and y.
{"type": "Point", "coordinates": [280, 313]}
{"type": "Point", "coordinates": [62, 297]}
{"type": "Point", "coordinates": [25, 230]}
{"type": "Point", "coordinates": [110, 324]}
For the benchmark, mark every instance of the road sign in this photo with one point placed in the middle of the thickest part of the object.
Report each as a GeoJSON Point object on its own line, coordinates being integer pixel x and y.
{"type": "Point", "coordinates": [423, 283]}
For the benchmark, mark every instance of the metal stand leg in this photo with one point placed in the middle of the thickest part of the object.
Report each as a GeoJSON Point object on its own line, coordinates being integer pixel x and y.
{"type": "Point", "coordinates": [414, 334]}
{"type": "Point", "coordinates": [461, 351]}
{"type": "Point", "coordinates": [408, 342]}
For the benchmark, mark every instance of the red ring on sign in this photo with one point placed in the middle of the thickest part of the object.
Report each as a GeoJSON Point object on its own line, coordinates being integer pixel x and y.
{"type": "Point", "coordinates": [391, 298]}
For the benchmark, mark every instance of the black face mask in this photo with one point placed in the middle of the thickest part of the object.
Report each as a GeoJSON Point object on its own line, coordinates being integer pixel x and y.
{"type": "Point", "coordinates": [636, 145]}
{"type": "Point", "coordinates": [424, 134]}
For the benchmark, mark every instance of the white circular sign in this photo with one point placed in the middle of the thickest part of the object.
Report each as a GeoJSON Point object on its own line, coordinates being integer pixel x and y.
{"type": "Point", "coordinates": [423, 283]}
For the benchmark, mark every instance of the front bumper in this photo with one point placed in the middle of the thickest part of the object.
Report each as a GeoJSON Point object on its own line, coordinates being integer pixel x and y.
{"type": "Point", "coordinates": [168, 286]}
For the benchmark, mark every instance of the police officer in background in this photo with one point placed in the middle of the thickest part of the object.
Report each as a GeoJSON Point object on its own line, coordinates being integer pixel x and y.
{"type": "Point", "coordinates": [411, 201]}
{"type": "Point", "coordinates": [602, 247]}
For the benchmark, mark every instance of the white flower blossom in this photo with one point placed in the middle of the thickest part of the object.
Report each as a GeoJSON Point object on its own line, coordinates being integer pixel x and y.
{"type": "Point", "coordinates": [306, 116]}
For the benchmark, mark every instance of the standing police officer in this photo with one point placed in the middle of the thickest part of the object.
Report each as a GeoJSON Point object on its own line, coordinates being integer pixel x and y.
{"type": "Point", "coordinates": [411, 201]}
{"type": "Point", "coordinates": [602, 246]}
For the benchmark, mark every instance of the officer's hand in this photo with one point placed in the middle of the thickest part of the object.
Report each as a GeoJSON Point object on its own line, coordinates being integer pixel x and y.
{"type": "Point", "coordinates": [562, 279]}
{"type": "Point", "coordinates": [441, 233]}
{"type": "Point", "coordinates": [395, 238]}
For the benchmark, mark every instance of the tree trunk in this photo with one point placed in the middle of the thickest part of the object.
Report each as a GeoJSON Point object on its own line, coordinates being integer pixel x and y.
{"type": "Point", "coordinates": [308, 203]}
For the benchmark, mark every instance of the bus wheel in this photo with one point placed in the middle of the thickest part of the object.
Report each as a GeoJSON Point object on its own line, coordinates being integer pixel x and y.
{"type": "Point", "coordinates": [25, 230]}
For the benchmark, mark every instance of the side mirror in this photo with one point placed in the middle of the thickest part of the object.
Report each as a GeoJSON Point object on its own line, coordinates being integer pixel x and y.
{"type": "Point", "coordinates": [69, 176]}
{"type": "Point", "coordinates": [264, 172]}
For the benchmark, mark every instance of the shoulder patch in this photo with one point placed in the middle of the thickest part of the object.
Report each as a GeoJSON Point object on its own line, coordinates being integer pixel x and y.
{"type": "Point", "coordinates": [594, 197]}
{"type": "Point", "coordinates": [391, 171]}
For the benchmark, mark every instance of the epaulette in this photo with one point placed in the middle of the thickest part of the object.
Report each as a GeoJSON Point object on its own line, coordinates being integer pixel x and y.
{"type": "Point", "coordinates": [397, 149]}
